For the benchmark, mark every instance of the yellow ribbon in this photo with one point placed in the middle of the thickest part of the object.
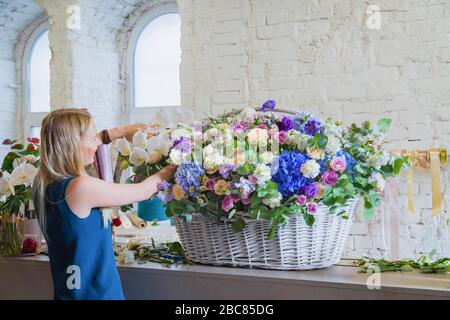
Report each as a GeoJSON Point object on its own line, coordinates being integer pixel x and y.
{"type": "Point", "coordinates": [435, 166]}
{"type": "Point", "coordinates": [410, 191]}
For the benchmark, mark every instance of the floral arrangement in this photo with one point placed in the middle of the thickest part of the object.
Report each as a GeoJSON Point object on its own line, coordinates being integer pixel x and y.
{"type": "Point", "coordinates": [18, 170]}
{"type": "Point", "coordinates": [267, 166]}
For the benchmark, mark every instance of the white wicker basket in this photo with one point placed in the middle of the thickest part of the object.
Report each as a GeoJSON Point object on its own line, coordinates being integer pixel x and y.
{"type": "Point", "coordinates": [296, 246]}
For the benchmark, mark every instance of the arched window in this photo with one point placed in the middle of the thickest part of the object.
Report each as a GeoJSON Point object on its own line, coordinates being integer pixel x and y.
{"type": "Point", "coordinates": [157, 60]}
{"type": "Point", "coordinates": [153, 62]}
{"type": "Point", "coordinates": [35, 77]}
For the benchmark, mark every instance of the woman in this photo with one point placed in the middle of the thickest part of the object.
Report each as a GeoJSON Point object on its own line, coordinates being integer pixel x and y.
{"type": "Point", "coordinates": [68, 201]}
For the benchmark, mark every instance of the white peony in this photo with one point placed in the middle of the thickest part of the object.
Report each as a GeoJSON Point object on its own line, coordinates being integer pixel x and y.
{"type": "Point", "coordinates": [140, 139]}
{"type": "Point", "coordinates": [139, 156]}
{"type": "Point", "coordinates": [273, 202]}
{"type": "Point", "coordinates": [123, 147]}
{"type": "Point", "coordinates": [262, 173]}
{"type": "Point", "coordinates": [310, 169]}
{"type": "Point", "coordinates": [23, 174]}
{"type": "Point", "coordinates": [6, 187]}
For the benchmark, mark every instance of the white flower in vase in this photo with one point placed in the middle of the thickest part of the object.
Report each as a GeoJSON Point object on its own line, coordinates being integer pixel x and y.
{"type": "Point", "coordinates": [139, 156]}
{"type": "Point", "coordinates": [123, 147]}
{"type": "Point", "coordinates": [6, 187]}
{"type": "Point", "coordinates": [23, 174]}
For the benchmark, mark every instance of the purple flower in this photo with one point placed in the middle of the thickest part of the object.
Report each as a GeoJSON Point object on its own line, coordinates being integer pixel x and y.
{"type": "Point", "coordinates": [281, 136]}
{"type": "Point", "coordinates": [330, 177]}
{"type": "Point", "coordinates": [246, 186]}
{"type": "Point", "coordinates": [253, 179]}
{"type": "Point", "coordinates": [246, 201]}
{"type": "Point", "coordinates": [310, 190]}
{"type": "Point", "coordinates": [210, 184]}
{"type": "Point", "coordinates": [239, 127]}
{"type": "Point", "coordinates": [286, 124]}
{"type": "Point", "coordinates": [225, 170]}
{"type": "Point", "coordinates": [301, 200]}
{"type": "Point", "coordinates": [312, 126]}
{"type": "Point", "coordinates": [189, 175]}
{"type": "Point", "coordinates": [312, 207]}
{"type": "Point", "coordinates": [268, 105]}
{"type": "Point", "coordinates": [184, 145]}
{"type": "Point", "coordinates": [227, 203]}
{"type": "Point", "coordinates": [165, 191]}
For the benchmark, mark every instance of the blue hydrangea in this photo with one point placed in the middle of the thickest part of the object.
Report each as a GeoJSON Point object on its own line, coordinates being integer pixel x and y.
{"type": "Point", "coordinates": [189, 176]}
{"type": "Point", "coordinates": [288, 176]}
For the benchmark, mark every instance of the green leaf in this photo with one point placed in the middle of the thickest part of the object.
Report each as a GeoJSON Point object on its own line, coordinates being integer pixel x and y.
{"type": "Point", "coordinates": [231, 214]}
{"type": "Point", "coordinates": [384, 124]}
{"type": "Point", "coordinates": [398, 163]}
{"type": "Point", "coordinates": [245, 169]}
{"type": "Point", "coordinates": [238, 225]}
{"type": "Point", "coordinates": [309, 219]}
{"type": "Point", "coordinates": [271, 232]}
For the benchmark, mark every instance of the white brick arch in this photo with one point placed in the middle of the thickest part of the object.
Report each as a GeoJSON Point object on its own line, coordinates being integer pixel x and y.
{"type": "Point", "coordinates": [128, 37]}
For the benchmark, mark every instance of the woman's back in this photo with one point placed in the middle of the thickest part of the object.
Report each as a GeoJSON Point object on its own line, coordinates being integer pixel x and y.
{"type": "Point", "coordinates": [80, 250]}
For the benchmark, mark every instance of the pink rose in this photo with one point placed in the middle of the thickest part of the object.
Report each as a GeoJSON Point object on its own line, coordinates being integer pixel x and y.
{"type": "Point", "coordinates": [312, 207]}
{"type": "Point", "coordinates": [281, 137]}
{"type": "Point", "coordinates": [210, 184]}
{"type": "Point", "coordinates": [246, 201]}
{"type": "Point", "coordinates": [301, 200]}
{"type": "Point", "coordinates": [227, 203]}
{"type": "Point", "coordinates": [338, 164]}
{"type": "Point", "coordinates": [330, 177]}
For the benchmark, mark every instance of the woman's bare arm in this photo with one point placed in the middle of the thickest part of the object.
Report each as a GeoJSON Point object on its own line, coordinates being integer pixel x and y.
{"type": "Point", "coordinates": [84, 193]}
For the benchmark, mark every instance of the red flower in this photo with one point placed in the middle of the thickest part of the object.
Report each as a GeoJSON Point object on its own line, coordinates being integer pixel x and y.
{"type": "Point", "coordinates": [29, 246]}
{"type": "Point", "coordinates": [30, 147]}
{"type": "Point", "coordinates": [116, 222]}
{"type": "Point", "coordinates": [33, 140]}
{"type": "Point", "coordinates": [7, 141]}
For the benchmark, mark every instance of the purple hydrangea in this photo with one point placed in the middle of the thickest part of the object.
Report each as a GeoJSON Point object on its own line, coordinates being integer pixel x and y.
{"type": "Point", "coordinates": [225, 170]}
{"type": "Point", "coordinates": [184, 144]}
{"type": "Point", "coordinates": [189, 176]}
{"type": "Point", "coordinates": [269, 105]}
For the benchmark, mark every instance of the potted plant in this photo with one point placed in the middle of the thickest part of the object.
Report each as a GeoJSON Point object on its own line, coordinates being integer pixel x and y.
{"type": "Point", "coordinates": [16, 175]}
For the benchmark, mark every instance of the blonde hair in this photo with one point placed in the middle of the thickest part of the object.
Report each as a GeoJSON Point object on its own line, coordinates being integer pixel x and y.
{"type": "Point", "coordinates": [61, 154]}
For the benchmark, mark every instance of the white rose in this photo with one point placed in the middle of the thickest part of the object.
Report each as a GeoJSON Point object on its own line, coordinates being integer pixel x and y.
{"type": "Point", "coordinates": [139, 156]}
{"type": "Point", "coordinates": [300, 140]}
{"type": "Point", "coordinates": [257, 136]}
{"type": "Point", "coordinates": [176, 156]}
{"type": "Point", "coordinates": [262, 172]}
{"type": "Point", "coordinates": [123, 147]}
{"type": "Point", "coordinates": [23, 174]}
{"type": "Point", "coordinates": [213, 162]}
{"type": "Point", "coordinates": [180, 132]}
{"type": "Point", "coordinates": [333, 145]}
{"type": "Point", "coordinates": [267, 157]}
{"type": "Point", "coordinates": [140, 139]}
{"type": "Point", "coordinates": [315, 153]}
{"type": "Point", "coordinates": [310, 169]}
{"type": "Point", "coordinates": [273, 202]}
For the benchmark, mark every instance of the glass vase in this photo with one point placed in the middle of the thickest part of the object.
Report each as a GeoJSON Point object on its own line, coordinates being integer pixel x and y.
{"type": "Point", "coordinates": [10, 236]}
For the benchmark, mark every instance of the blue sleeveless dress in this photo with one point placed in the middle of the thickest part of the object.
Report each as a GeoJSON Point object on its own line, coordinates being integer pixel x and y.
{"type": "Point", "coordinates": [80, 251]}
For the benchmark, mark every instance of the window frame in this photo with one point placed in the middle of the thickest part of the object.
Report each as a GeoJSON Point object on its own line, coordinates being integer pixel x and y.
{"type": "Point", "coordinates": [132, 113]}
{"type": "Point", "coordinates": [29, 37]}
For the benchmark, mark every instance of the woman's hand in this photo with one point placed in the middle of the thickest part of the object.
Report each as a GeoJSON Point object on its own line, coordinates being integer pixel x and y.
{"type": "Point", "coordinates": [129, 131]}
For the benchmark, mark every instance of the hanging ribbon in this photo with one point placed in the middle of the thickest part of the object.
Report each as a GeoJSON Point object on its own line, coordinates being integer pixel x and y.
{"type": "Point", "coordinates": [435, 166]}
{"type": "Point", "coordinates": [105, 171]}
{"type": "Point", "coordinates": [410, 191]}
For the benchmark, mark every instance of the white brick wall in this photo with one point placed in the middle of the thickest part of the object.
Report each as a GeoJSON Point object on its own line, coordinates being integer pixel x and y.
{"type": "Point", "coordinates": [320, 56]}
{"type": "Point", "coordinates": [315, 55]}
